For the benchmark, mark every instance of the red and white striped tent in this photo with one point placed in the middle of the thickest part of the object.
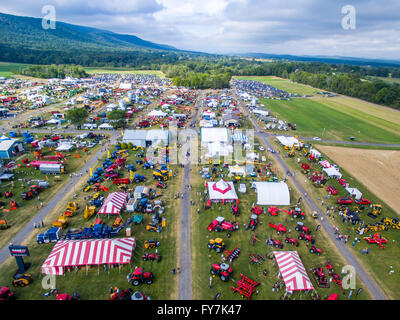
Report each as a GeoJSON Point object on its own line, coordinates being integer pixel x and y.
{"type": "Point", "coordinates": [114, 203]}
{"type": "Point", "coordinates": [292, 271]}
{"type": "Point", "coordinates": [325, 164]}
{"type": "Point", "coordinates": [71, 253]}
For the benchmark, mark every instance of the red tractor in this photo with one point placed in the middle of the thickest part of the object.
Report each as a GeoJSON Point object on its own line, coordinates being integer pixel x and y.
{"type": "Point", "coordinates": [292, 241]}
{"type": "Point", "coordinates": [363, 201]}
{"type": "Point", "coordinates": [253, 222]}
{"type": "Point", "coordinates": [161, 185]}
{"type": "Point", "coordinates": [219, 224]}
{"type": "Point", "coordinates": [306, 237]}
{"type": "Point", "coordinates": [273, 211]}
{"type": "Point", "coordinates": [302, 228]}
{"type": "Point", "coordinates": [6, 294]}
{"type": "Point", "coordinates": [332, 190]}
{"type": "Point", "coordinates": [223, 270]}
{"type": "Point", "coordinates": [151, 257]}
{"type": "Point", "coordinates": [296, 213]}
{"type": "Point", "coordinates": [8, 194]}
{"type": "Point", "coordinates": [235, 210]}
{"type": "Point", "coordinates": [256, 210]}
{"type": "Point", "coordinates": [315, 250]}
{"type": "Point", "coordinates": [346, 200]}
{"type": "Point", "coordinates": [139, 277]}
{"type": "Point", "coordinates": [279, 228]}
{"type": "Point", "coordinates": [330, 268]}
{"type": "Point", "coordinates": [320, 277]}
{"type": "Point", "coordinates": [276, 243]}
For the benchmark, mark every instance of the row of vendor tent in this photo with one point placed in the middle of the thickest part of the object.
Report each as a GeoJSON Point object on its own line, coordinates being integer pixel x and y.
{"type": "Point", "coordinates": [75, 253]}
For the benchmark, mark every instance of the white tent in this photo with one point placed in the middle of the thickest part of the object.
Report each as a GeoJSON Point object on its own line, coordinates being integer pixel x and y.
{"type": "Point", "coordinates": [237, 170]}
{"type": "Point", "coordinates": [315, 153]}
{"type": "Point", "coordinates": [272, 193]}
{"type": "Point", "coordinates": [157, 113]}
{"type": "Point", "coordinates": [65, 147]}
{"type": "Point", "coordinates": [287, 141]}
{"type": "Point", "coordinates": [106, 126]}
{"type": "Point", "coordinates": [332, 172]}
{"type": "Point", "coordinates": [222, 191]}
{"type": "Point", "coordinates": [354, 192]}
{"type": "Point", "coordinates": [214, 135]}
{"type": "Point", "coordinates": [220, 149]}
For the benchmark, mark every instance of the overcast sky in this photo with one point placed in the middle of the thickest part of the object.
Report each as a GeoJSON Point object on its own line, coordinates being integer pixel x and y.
{"type": "Point", "coordinates": [299, 27]}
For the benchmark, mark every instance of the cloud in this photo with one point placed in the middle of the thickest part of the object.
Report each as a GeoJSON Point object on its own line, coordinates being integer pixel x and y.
{"type": "Point", "coordinates": [311, 27]}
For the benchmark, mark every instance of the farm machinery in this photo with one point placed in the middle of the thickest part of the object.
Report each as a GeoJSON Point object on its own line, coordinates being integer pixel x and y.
{"type": "Point", "coordinates": [279, 228]}
{"type": "Point", "coordinates": [394, 223]}
{"type": "Point", "coordinates": [245, 286]}
{"type": "Point", "coordinates": [315, 250]}
{"type": "Point", "coordinates": [151, 244]}
{"type": "Point", "coordinates": [219, 224]}
{"type": "Point", "coordinates": [151, 257]}
{"type": "Point", "coordinates": [317, 179]}
{"type": "Point", "coordinates": [232, 255]}
{"type": "Point", "coordinates": [294, 212]}
{"type": "Point", "coordinates": [275, 243]}
{"type": "Point", "coordinates": [302, 228]}
{"type": "Point", "coordinates": [22, 280]}
{"type": "Point", "coordinates": [377, 239]}
{"type": "Point", "coordinates": [376, 211]}
{"type": "Point", "coordinates": [3, 224]}
{"type": "Point", "coordinates": [306, 238]}
{"type": "Point", "coordinates": [292, 241]}
{"type": "Point", "coordinates": [223, 270]}
{"type": "Point", "coordinates": [320, 277]}
{"type": "Point", "coordinates": [256, 258]}
{"type": "Point", "coordinates": [6, 294]}
{"type": "Point", "coordinates": [252, 223]}
{"type": "Point", "coordinates": [89, 211]}
{"type": "Point", "coordinates": [139, 277]}
{"type": "Point", "coordinates": [217, 244]}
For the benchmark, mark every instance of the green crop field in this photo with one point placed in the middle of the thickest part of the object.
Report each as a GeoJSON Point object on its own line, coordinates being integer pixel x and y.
{"type": "Point", "coordinates": [6, 68]}
{"type": "Point", "coordinates": [314, 118]}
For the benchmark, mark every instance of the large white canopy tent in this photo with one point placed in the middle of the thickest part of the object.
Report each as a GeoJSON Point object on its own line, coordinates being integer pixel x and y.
{"type": "Point", "coordinates": [272, 193]}
{"type": "Point", "coordinates": [237, 170]}
{"type": "Point", "coordinates": [287, 141]}
{"type": "Point", "coordinates": [332, 172]}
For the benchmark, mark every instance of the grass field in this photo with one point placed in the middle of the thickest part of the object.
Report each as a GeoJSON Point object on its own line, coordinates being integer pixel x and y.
{"type": "Point", "coordinates": [96, 283]}
{"type": "Point", "coordinates": [203, 257]}
{"type": "Point", "coordinates": [7, 67]}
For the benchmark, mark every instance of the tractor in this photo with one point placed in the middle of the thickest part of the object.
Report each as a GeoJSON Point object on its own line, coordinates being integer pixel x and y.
{"type": "Point", "coordinates": [160, 175]}
{"type": "Point", "coordinates": [151, 257]}
{"type": "Point", "coordinates": [22, 280]}
{"type": "Point", "coordinates": [3, 224]}
{"type": "Point", "coordinates": [292, 241]}
{"type": "Point", "coordinates": [139, 277]}
{"type": "Point", "coordinates": [315, 250]}
{"type": "Point", "coordinates": [306, 237]}
{"type": "Point", "coordinates": [332, 190]}
{"type": "Point", "coordinates": [302, 228]}
{"type": "Point", "coordinates": [151, 243]}
{"type": "Point", "coordinates": [161, 185]}
{"type": "Point", "coordinates": [320, 277]}
{"type": "Point", "coordinates": [217, 244]}
{"type": "Point", "coordinates": [296, 213]}
{"type": "Point", "coordinates": [223, 270]}
{"type": "Point", "coordinates": [253, 222]}
{"type": "Point", "coordinates": [376, 211]}
{"type": "Point", "coordinates": [8, 194]}
{"type": "Point", "coordinates": [276, 243]}
{"type": "Point", "coordinates": [279, 228]}
{"type": "Point", "coordinates": [6, 294]}
{"type": "Point", "coordinates": [346, 200]}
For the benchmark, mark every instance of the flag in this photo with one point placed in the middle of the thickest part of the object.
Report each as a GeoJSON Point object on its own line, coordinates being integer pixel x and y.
{"type": "Point", "coordinates": [122, 132]}
{"type": "Point", "coordinates": [108, 154]}
{"type": "Point", "coordinates": [90, 172]}
{"type": "Point", "coordinates": [131, 175]}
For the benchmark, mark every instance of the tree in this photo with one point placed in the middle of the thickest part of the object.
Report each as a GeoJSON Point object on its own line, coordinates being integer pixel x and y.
{"type": "Point", "coordinates": [77, 116]}
{"type": "Point", "coordinates": [117, 118]}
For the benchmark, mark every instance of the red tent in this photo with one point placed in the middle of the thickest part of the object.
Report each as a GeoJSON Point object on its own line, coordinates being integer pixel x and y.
{"type": "Point", "coordinates": [292, 271]}
{"type": "Point", "coordinates": [113, 203]}
{"type": "Point", "coordinates": [71, 253]}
